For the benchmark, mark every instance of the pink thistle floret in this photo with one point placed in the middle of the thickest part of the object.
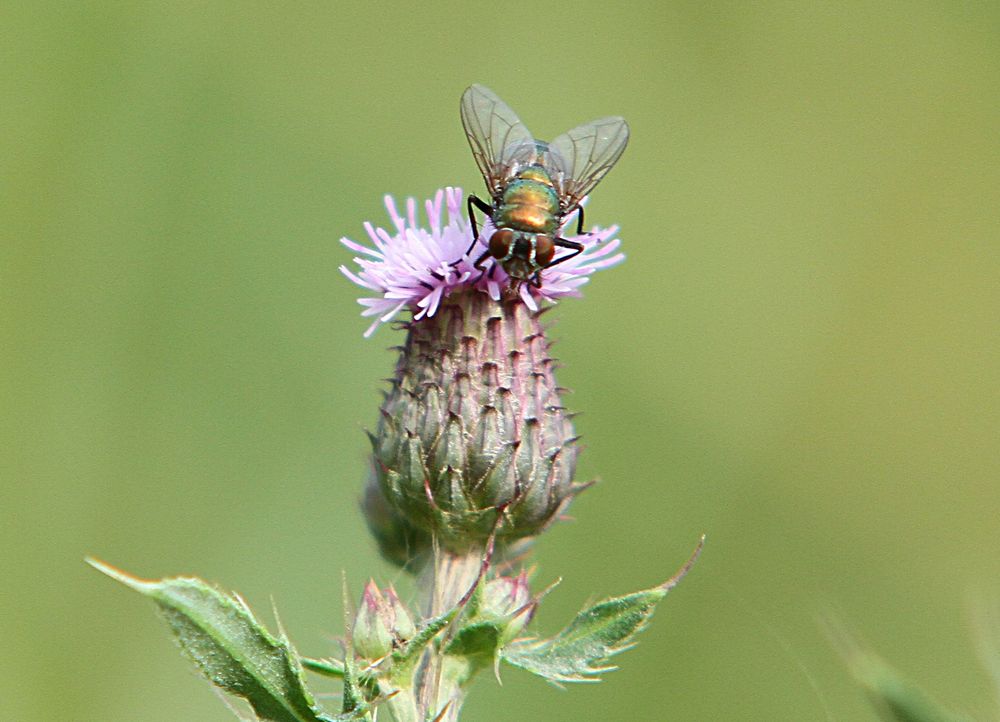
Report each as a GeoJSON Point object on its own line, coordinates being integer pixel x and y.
{"type": "Point", "coordinates": [414, 267]}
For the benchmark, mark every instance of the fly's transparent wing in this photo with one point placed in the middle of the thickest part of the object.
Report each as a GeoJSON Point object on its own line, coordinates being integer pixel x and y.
{"type": "Point", "coordinates": [500, 142]}
{"type": "Point", "coordinates": [578, 159]}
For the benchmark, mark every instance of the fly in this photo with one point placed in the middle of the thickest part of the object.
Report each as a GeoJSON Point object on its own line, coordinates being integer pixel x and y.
{"type": "Point", "coordinates": [533, 185]}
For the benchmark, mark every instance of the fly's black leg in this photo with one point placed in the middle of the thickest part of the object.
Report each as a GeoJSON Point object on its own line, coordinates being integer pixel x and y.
{"type": "Point", "coordinates": [482, 205]}
{"type": "Point", "coordinates": [475, 201]}
{"type": "Point", "coordinates": [579, 218]}
{"type": "Point", "coordinates": [577, 249]}
{"type": "Point", "coordinates": [478, 265]}
{"type": "Point", "coordinates": [536, 278]}
{"type": "Point", "coordinates": [579, 223]}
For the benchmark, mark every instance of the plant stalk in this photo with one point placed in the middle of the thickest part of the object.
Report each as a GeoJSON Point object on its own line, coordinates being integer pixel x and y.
{"type": "Point", "coordinates": [447, 580]}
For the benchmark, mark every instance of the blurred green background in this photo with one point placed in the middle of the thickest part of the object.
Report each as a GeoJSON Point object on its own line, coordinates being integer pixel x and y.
{"type": "Point", "coordinates": [800, 356]}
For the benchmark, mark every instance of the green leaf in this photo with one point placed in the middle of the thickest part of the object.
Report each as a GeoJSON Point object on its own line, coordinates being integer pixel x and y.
{"type": "Point", "coordinates": [219, 633]}
{"type": "Point", "coordinates": [581, 651]}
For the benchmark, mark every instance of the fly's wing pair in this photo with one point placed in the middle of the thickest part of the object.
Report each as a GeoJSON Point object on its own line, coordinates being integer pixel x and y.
{"type": "Point", "coordinates": [576, 160]}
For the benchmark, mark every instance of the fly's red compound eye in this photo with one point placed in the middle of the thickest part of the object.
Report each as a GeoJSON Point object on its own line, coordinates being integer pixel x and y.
{"type": "Point", "coordinates": [500, 243]}
{"type": "Point", "coordinates": [545, 249]}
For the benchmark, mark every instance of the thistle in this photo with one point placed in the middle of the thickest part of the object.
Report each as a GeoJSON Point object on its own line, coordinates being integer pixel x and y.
{"type": "Point", "coordinates": [473, 456]}
{"type": "Point", "coordinates": [472, 441]}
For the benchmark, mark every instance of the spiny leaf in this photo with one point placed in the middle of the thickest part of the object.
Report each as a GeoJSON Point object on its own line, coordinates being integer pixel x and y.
{"type": "Point", "coordinates": [581, 651]}
{"type": "Point", "coordinates": [220, 634]}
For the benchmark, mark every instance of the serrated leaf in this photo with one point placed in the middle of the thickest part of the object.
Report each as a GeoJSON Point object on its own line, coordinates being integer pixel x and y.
{"type": "Point", "coordinates": [220, 634]}
{"type": "Point", "coordinates": [582, 651]}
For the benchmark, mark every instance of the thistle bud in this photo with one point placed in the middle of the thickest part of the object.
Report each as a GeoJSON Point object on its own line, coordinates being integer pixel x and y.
{"type": "Point", "coordinates": [473, 426]}
{"type": "Point", "coordinates": [507, 600]}
{"type": "Point", "coordinates": [372, 627]}
{"type": "Point", "coordinates": [382, 623]}
{"type": "Point", "coordinates": [403, 628]}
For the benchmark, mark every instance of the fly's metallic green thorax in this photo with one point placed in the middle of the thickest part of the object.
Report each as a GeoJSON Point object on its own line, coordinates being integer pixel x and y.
{"type": "Point", "coordinates": [529, 203]}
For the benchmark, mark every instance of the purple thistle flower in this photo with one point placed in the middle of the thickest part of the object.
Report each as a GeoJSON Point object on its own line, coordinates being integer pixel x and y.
{"type": "Point", "coordinates": [412, 266]}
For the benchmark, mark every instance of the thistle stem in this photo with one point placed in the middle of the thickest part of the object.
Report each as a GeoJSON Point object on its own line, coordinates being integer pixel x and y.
{"type": "Point", "coordinates": [446, 581]}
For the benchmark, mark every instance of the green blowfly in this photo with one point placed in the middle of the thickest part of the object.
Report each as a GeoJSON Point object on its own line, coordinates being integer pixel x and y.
{"type": "Point", "coordinates": [534, 186]}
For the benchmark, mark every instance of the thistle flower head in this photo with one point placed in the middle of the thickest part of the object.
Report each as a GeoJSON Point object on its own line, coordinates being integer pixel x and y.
{"type": "Point", "coordinates": [473, 440]}
{"type": "Point", "coordinates": [410, 266]}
